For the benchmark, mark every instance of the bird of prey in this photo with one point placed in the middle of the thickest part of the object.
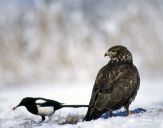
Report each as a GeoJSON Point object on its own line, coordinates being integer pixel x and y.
{"type": "Point", "coordinates": [43, 107]}
{"type": "Point", "coordinates": [116, 84]}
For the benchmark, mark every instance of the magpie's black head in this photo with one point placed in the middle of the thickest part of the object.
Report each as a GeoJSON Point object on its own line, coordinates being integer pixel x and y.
{"type": "Point", "coordinates": [25, 102]}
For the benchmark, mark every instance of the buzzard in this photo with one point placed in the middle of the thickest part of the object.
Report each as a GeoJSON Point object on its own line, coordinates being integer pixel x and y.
{"type": "Point", "coordinates": [116, 84]}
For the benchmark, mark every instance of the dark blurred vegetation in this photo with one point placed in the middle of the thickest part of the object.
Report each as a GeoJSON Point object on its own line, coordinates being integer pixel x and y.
{"type": "Point", "coordinates": [64, 40]}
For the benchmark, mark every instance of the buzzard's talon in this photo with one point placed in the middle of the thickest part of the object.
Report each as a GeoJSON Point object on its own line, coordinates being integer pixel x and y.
{"type": "Point", "coordinates": [130, 113]}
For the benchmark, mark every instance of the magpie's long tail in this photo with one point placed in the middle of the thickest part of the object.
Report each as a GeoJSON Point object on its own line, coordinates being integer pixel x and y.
{"type": "Point", "coordinates": [74, 106]}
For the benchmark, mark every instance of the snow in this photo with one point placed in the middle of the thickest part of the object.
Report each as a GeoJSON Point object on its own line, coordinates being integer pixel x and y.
{"type": "Point", "coordinates": [149, 97]}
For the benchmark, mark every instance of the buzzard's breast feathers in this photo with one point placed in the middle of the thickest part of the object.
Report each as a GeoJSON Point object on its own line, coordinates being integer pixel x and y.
{"type": "Point", "coordinates": [116, 85]}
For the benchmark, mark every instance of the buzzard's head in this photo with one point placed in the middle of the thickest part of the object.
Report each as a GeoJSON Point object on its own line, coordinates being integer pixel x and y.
{"type": "Point", "coordinates": [119, 54]}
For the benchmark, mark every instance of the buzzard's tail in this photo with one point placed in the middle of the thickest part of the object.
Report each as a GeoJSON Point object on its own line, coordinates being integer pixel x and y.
{"type": "Point", "coordinates": [92, 115]}
{"type": "Point", "coordinates": [74, 106]}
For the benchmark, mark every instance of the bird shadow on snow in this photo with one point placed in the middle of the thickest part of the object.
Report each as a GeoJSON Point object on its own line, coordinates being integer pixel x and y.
{"type": "Point", "coordinates": [123, 114]}
{"type": "Point", "coordinates": [74, 119]}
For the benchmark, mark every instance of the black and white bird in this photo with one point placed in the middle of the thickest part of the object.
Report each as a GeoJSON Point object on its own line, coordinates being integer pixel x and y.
{"type": "Point", "coordinates": [43, 107]}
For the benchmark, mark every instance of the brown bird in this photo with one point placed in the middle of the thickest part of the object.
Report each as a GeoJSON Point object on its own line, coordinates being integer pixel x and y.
{"type": "Point", "coordinates": [116, 84]}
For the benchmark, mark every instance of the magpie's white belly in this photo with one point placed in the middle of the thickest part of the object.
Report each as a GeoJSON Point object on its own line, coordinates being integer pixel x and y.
{"type": "Point", "coordinates": [45, 111]}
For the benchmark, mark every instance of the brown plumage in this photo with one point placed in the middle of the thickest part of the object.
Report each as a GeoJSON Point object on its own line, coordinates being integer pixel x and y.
{"type": "Point", "coordinates": [116, 84]}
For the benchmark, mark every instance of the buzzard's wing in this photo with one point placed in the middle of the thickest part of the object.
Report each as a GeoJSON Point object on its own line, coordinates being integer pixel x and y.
{"type": "Point", "coordinates": [113, 87]}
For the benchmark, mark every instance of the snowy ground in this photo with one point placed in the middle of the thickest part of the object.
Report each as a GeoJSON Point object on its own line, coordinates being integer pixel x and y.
{"type": "Point", "coordinates": [149, 97]}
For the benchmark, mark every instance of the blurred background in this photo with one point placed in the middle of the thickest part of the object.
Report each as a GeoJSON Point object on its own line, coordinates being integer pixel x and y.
{"type": "Point", "coordinates": [48, 41]}
{"type": "Point", "coordinates": [55, 48]}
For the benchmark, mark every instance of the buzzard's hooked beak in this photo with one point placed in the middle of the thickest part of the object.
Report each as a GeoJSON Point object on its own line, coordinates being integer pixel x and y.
{"type": "Point", "coordinates": [111, 54]}
{"type": "Point", "coordinates": [106, 54]}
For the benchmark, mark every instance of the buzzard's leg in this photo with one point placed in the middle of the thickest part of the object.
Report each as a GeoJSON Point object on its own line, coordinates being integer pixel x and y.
{"type": "Point", "coordinates": [110, 113]}
{"type": "Point", "coordinates": [127, 109]}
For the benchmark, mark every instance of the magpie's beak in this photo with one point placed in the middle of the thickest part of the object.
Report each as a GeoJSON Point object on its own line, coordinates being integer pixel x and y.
{"type": "Point", "coordinates": [16, 107]}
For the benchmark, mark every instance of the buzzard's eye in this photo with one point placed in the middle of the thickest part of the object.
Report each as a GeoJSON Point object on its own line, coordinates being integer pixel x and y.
{"type": "Point", "coordinates": [114, 51]}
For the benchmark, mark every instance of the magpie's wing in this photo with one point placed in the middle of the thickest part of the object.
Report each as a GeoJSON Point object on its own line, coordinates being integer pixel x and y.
{"type": "Point", "coordinates": [42, 102]}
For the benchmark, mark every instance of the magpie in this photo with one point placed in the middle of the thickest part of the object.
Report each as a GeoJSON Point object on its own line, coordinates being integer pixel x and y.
{"type": "Point", "coordinates": [43, 107]}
